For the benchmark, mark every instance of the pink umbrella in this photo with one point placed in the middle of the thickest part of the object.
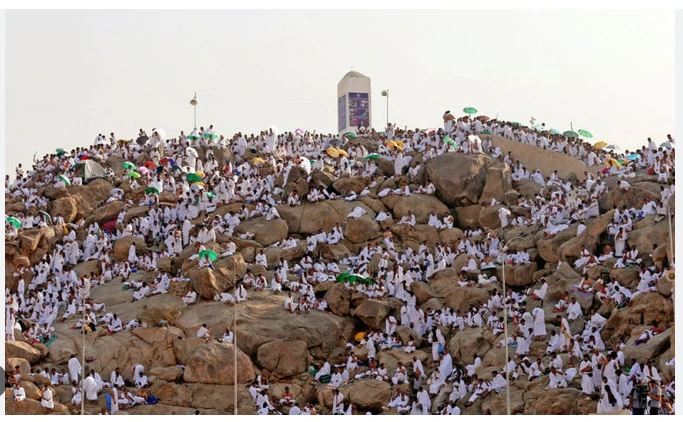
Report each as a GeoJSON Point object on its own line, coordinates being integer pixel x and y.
{"type": "Point", "coordinates": [143, 170]}
{"type": "Point", "coordinates": [430, 130]}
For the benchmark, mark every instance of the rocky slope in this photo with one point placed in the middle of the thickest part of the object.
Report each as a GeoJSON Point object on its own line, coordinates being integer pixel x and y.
{"type": "Point", "coordinates": [186, 373]}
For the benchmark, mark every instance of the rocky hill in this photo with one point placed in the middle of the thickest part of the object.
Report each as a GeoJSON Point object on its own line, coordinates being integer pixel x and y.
{"type": "Point", "coordinates": [188, 373]}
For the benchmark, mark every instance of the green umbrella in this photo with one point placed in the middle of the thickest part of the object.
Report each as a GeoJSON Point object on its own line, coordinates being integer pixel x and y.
{"type": "Point", "coordinates": [554, 132]}
{"type": "Point", "coordinates": [133, 174]}
{"type": "Point", "coordinates": [193, 178]}
{"type": "Point", "coordinates": [350, 135]}
{"type": "Point", "coordinates": [193, 137]}
{"type": "Point", "coordinates": [585, 133]}
{"type": "Point", "coordinates": [151, 190]}
{"type": "Point", "coordinates": [60, 151]}
{"type": "Point", "coordinates": [343, 277]}
{"type": "Point", "coordinates": [14, 221]}
{"type": "Point", "coordinates": [211, 254]}
{"type": "Point", "coordinates": [210, 194]}
{"type": "Point", "coordinates": [312, 161]}
{"type": "Point", "coordinates": [469, 110]}
{"type": "Point", "coordinates": [210, 136]}
{"type": "Point", "coordinates": [449, 141]}
{"type": "Point", "coordinates": [64, 179]}
{"type": "Point", "coordinates": [128, 165]}
{"type": "Point", "coordinates": [382, 133]}
{"type": "Point", "coordinates": [515, 123]}
{"type": "Point", "coordinates": [571, 134]}
{"type": "Point", "coordinates": [49, 219]}
{"type": "Point", "coordinates": [372, 156]}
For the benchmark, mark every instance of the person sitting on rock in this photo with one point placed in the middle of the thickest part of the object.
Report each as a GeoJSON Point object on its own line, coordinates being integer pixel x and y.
{"type": "Point", "coordinates": [400, 401]}
{"type": "Point", "coordinates": [190, 297]}
{"type": "Point", "coordinates": [287, 398]}
{"type": "Point", "coordinates": [585, 285]}
{"type": "Point", "coordinates": [19, 395]}
{"type": "Point", "coordinates": [204, 332]}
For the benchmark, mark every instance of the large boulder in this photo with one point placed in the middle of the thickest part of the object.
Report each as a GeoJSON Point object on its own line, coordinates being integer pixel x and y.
{"type": "Point", "coordinates": [284, 358]}
{"type": "Point", "coordinates": [266, 232]}
{"type": "Point", "coordinates": [497, 182]}
{"type": "Point", "coordinates": [20, 349]}
{"type": "Point", "coordinates": [122, 246]}
{"type": "Point", "coordinates": [308, 218]}
{"type": "Point", "coordinates": [468, 216]}
{"type": "Point", "coordinates": [422, 291]}
{"type": "Point", "coordinates": [370, 394]}
{"type": "Point", "coordinates": [648, 233]}
{"type": "Point", "coordinates": [338, 299]}
{"type": "Point", "coordinates": [346, 185]}
{"type": "Point", "coordinates": [460, 298]}
{"type": "Point", "coordinates": [518, 275]}
{"type": "Point", "coordinates": [449, 237]}
{"type": "Point", "coordinates": [459, 179]}
{"type": "Point", "coordinates": [167, 373]}
{"type": "Point", "coordinates": [652, 348]}
{"type": "Point", "coordinates": [564, 401]}
{"type": "Point", "coordinates": [66, 207]}
{"type": "Point", "coordinates": [466, 343]}
{"type": "Point", "coordinates": [88, 267]}
{"type": "Point", "coordinates": [372, 312]}
{"type": "Point", "coordinates": [105, 213]}
{"type": "Point", "coordinates": [29, 240]}
{"type": "Point", "coordinates": [208, 283]}
{"type": "Point", "coordinates": [420, 205]}
{"type": "Point", "coordinates": [361, 230]}
{"type": "Point", "coordinates": [214, 363]}
{"type": "Point", "coordinates": [548, 247]}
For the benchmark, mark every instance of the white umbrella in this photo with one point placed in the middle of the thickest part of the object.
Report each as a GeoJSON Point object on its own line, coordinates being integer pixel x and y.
{"type": "Point", "coordinates": [157, 185]}
{"type": "Point", "coordinates": [116, 191]}
{"type": "Point", "coordinates": [196, 187]}
{"type": "Point", "coordinates": [305, 163]}
{"type": "Point", "coordinates": [191, 151]}
{"type": "Point", "coordinates": [160, 131]}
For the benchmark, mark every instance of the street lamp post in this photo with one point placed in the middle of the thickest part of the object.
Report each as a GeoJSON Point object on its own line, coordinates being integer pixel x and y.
{"type": "Point", "coordinates": [234, 344]}
{"type": "Point", "coordinates": [193, 102]}
{"type": "Point", "coordinates": [505, 328]}
{"type": "Point", "coordinates": [83, 352]}
{"type": "Point", "coordinates": [385, 93]}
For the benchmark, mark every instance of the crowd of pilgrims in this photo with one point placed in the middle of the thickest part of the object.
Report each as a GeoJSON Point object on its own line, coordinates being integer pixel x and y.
{"type": "Point", "coordinates": [51, 290]}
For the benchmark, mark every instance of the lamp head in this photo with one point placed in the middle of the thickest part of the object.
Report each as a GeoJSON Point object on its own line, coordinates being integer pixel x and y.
{"type": "Point", "coordinates": [385, 93]}
{"type": "Point", "coordinates": [193, 101]}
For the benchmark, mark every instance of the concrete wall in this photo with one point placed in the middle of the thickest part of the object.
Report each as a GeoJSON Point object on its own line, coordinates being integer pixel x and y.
{"type": "Point", "coordinates": [547, 161]}
{"type": "Point", "coordinates": [359, 84]}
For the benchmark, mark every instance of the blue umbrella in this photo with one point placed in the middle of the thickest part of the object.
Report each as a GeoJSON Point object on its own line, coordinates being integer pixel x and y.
{"type": "Point", "coordinates": [666, 144]}
{"type": "Point", "coordinates": [633, 157]}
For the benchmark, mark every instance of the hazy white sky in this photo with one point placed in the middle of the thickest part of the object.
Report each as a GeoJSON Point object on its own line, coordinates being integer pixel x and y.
{"type": "Point", "coordinates": [73, 74]}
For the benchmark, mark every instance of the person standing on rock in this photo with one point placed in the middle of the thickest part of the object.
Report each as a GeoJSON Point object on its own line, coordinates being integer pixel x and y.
{"type": "Point", "coordinates": [504, 214]}
{"type": "Point", "coordinates": [47, 400]}
{"type": "Point", "coordinates": [539, 323]}
{"type": "Point", "coordinates": [90, 388]}
{"type": "Point", "coordinates": [565, 334]}
{"type": "Point", "coordinates": [337, 402]}
{"type": "Point", "coordinates": [586, 371]}
{"type": "Point", "coordinates": [75, 367]}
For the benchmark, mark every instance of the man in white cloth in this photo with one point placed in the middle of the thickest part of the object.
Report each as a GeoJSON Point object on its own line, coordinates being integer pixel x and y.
{"type": "Point", "coordinates": [75, 368]}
